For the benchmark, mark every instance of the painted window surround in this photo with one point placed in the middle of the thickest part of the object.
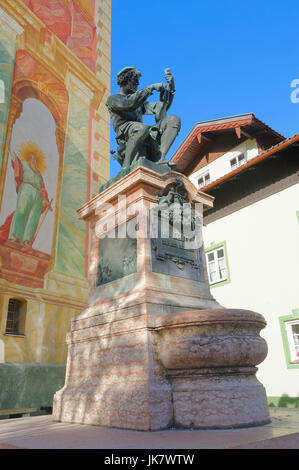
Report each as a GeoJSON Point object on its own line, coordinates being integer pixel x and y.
{"type": "Point", "coordinates": [282, 322]}
{"type": "Point", "coordinates": [213, 246]}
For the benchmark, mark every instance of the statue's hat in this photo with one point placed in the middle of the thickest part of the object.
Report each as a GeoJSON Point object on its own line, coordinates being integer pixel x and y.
{"type": "Point", "coordinates": [126, 69]}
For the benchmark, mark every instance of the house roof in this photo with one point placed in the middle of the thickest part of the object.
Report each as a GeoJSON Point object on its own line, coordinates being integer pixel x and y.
{"type": "Point", "coordinates": [272, 151]}
{"type": "Point", "coordinates": [204, 134]}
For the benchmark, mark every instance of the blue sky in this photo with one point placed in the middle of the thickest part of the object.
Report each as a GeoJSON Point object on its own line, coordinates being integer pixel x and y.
{"type": "Point", "coordinates": [228, 57]}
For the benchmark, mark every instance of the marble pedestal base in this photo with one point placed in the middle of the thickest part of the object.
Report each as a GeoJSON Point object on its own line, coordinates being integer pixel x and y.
{"type": "Point", "coordinates": [154, 349]}
{"type": "Point", "coordinates": [219, 399]}
{"type": "Point", "coordinates": [195, 369]}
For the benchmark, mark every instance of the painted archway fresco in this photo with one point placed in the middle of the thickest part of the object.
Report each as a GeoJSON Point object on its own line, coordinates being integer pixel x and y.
{"type": "Point", "coordinates": [31, 172]}
{"type": "Point", "coordinates": [54, 132]}
{"type": "Point", "coordinates": [27, 214]}
{"type": "Point", "coordinates": [72, 22]}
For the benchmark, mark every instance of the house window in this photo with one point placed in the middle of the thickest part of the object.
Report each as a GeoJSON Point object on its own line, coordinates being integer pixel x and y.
{"type": "Point", "coordinates": [217, 265]}
{"type": "Point", "coordinates": [292, 329]}
{"type": "Point", "coordinates": [237, 161]}
{"type": "Point", "coordinates": [290, 337]}
{"type": "Point", "coordinates": [13, 322]}
{"type": "Point", "coordinates": [204, 180]}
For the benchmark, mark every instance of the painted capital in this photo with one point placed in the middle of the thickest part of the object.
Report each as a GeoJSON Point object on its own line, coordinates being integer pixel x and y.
{"type": "Point", "coordinates": [75, 86]}
{"type": "Point", "coordinates": [8, 26]}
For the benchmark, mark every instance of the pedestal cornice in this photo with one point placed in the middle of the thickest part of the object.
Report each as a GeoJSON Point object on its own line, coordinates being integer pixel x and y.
{"type": "Point", "coordinates": [141, 175]}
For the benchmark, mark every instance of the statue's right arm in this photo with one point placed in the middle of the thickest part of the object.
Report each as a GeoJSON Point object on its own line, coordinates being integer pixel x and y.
{"type": "Point", "coordinates": [128, 103]}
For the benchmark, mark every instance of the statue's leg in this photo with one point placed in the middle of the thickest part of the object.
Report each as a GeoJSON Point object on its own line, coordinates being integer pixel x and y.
{"type": "Point", "coordinates": [169, 129]}
{"type": "Point", "coordinates": [136, 135]}
{"type": "Point", "coordinates": [152, 149]}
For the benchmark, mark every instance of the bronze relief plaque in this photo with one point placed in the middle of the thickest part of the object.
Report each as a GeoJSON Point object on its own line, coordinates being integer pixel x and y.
{"type": "Point", "coordinates": [118, 257]}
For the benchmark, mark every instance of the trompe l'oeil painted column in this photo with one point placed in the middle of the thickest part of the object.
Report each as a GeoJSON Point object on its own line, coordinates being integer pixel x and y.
{"type": "Point", "coordinates": [9, 31]}
{"type": "Point", "coordinates": [71, 236]}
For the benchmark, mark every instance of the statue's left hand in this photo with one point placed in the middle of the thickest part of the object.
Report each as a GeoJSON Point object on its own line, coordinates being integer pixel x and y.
{"type": "Point", "coordinates": [170, 80]}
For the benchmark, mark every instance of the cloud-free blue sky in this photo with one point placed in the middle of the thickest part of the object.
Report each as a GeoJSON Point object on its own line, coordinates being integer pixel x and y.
{"type": "Point", "coordinates": [228, 57]}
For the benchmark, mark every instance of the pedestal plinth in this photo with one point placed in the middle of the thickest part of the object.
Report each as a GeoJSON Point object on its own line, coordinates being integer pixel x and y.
{"type": "Point", "coordinates": [153, 349]}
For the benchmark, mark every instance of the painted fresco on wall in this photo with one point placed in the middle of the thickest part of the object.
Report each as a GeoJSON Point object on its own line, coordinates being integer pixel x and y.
{"type": "Point", "coordinates": [7, 57]}
{"type": "Point", "coordinates": [27, 213]}
{"type": "Point", "coordinates": [49, 134]}
{"type": "Point", "coordinates": [71, 23]}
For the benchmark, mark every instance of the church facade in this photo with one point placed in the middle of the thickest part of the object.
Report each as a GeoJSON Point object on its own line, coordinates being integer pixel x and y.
{"type": "Point", "coordinates": [54, 155]}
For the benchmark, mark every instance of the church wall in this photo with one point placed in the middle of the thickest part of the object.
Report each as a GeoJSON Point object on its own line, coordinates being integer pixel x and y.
{"type": "Point", "coordinates": [56, 81]}
{"type": "Point", "coordinates": [8, 34]}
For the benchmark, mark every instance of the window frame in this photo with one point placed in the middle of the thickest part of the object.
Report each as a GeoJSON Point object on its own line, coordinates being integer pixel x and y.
{"type": "Point", "coordinates": [284, 323]}
{"type": "Point", "coordinates": [214, 248]}
{"type": "Point", "coordinates": [2, 91]}
{"type": "Point", "coordinates": [242, 150]}
{"type": "Point", "coordinates": [236, 157]}
{"type": "Point", "coordinates": [203, 176]}
{"type": "Point", "coordinates": [21, 317]}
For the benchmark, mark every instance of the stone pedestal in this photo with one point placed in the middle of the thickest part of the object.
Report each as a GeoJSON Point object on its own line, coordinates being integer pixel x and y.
{"type": "Point", "coordinates": [153, 349]}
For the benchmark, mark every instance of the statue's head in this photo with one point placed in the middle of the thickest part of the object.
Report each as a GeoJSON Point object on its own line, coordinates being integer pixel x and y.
{"type": "Point", "coordinates": [128, 78]}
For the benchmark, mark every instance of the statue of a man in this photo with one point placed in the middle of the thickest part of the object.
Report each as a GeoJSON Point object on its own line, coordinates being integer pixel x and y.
{"type": "Point", "coordinates": [126, 108]}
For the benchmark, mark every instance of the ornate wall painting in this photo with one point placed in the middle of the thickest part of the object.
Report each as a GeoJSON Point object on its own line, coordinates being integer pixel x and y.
{"type": "Point", "coordinates": [50, 90]}
{"type": "Point", "coordinates": [27, 213]}
{"type": "Point", "coordinates": [7, 56]}
{"type": "Point", "coordinates": [55, 14]}
{"type": "Point", "coordinates": [72, 25]}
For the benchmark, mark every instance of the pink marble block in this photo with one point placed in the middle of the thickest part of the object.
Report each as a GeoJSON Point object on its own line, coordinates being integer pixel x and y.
{"type": "Point", "coordinates": [210, 359]}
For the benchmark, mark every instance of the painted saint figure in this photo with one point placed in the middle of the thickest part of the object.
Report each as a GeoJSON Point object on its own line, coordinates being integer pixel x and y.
{"type": "Point", "coordinates": [32, 198]}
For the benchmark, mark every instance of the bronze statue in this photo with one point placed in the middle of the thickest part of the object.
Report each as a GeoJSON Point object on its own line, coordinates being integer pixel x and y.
{"type": "Point", "coordinates": [136, 139]}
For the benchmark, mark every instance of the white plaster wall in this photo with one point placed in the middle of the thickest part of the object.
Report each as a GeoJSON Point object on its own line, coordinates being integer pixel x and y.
{"type": "Point", "coordinates": [263, 255]}
{"type": "Point", "coordinates": [221, 165]}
